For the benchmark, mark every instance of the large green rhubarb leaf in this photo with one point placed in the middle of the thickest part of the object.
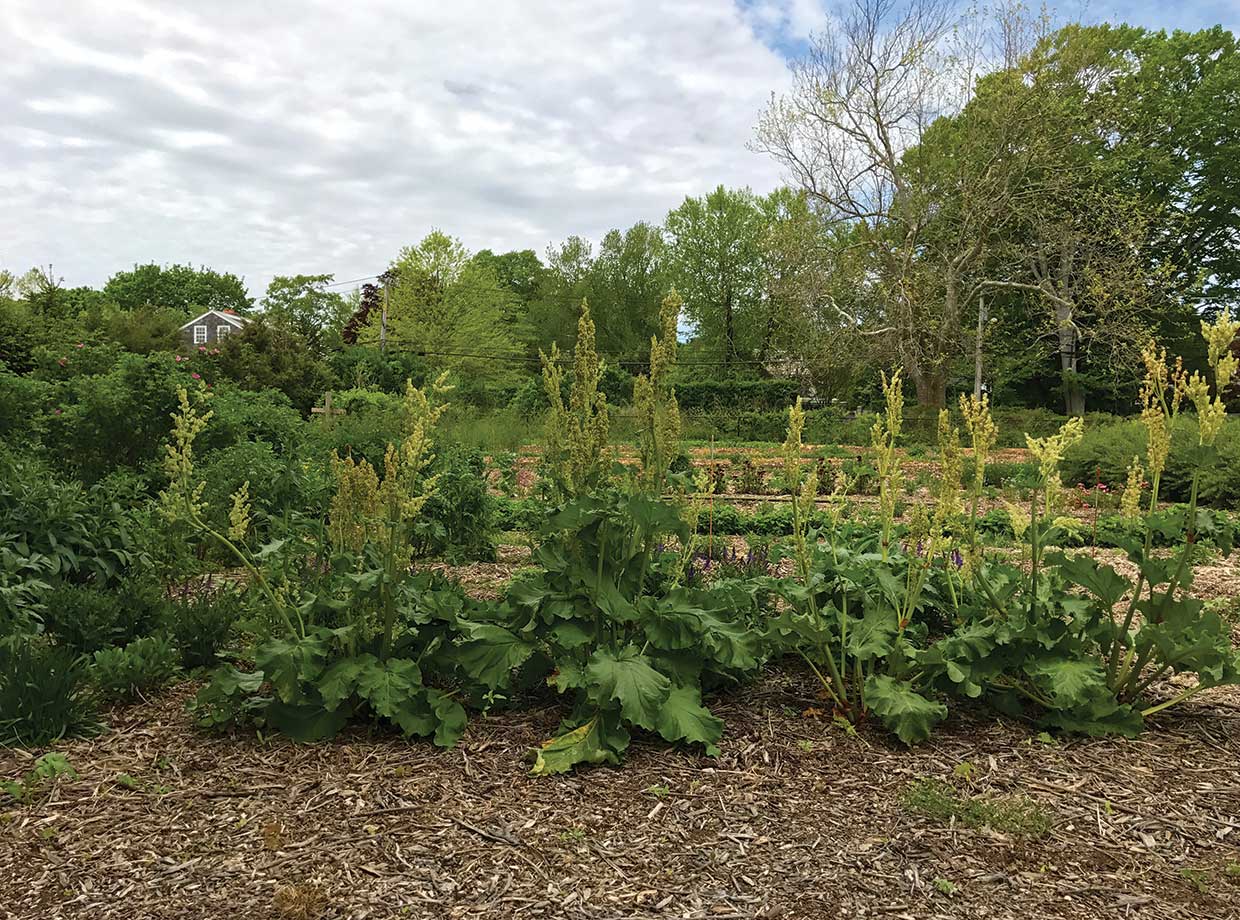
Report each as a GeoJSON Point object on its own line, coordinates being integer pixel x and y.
{"type": "Point", "coordinates": [628, 679]}
{"type": "Point", "coordinates": [492, 654]}
{"type": "Point", "coordinates": [305, 721]}
{"type": "Point", "coordinates": [684, 718]}
{"type": "Point", "coordinates": [1067, 682]}
{"type": "Point", "coordinates": [903, 710]}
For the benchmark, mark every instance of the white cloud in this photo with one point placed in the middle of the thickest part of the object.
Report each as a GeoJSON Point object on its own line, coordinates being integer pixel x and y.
{"type": "Point", "coordinates": [312, 136]}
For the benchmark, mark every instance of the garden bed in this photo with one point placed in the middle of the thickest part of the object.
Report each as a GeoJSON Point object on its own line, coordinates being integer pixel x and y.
{"type": "Point", "coordinates": [796, 818]}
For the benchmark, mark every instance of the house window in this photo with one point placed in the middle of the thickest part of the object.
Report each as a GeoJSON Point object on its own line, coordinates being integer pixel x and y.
{"type": "Point", "coordinates": [221, 331]}
{"type": "Point", "coordinates": [200, 334]}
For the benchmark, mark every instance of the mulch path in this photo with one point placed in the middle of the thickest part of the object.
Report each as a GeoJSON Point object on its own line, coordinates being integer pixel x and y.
{"type": "Point", "coordinates": [795, 819]}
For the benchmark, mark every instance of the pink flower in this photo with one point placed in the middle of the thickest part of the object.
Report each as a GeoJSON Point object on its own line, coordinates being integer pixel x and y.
{"type": "Point", "coordinates": [196, 376]}
{"type": "Point", "coordinates": [202, 347]}
{"type": "Point", "coordinates": [63, 361]}
{"type": "Point", "coordinates": [56, 411]}
{"type": "Point", "coordinates": [178, 359]}
{"type": "Point", "coordinates": [80, 345]}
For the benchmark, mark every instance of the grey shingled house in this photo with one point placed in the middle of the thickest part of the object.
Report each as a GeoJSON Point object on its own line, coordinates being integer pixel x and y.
{"type": "Point", "coordinates": [211, 327]}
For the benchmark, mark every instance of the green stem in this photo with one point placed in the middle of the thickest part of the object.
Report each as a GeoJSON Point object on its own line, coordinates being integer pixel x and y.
{"type": "Point", "coordinates": [1175, 700]}
{"type": "Point", "coordinates": [827, 685]}
{"type": "Point", "coordinates": [1035, 546]}
{"type": "Point", "coordinates": [1145, 684]}
{"type": "Point", "coordinates": [1024, 691]}
{"type": "Point", "coordinates": [254, 573]}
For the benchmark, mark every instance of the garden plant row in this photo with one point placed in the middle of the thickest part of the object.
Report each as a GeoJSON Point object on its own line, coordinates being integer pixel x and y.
{"type": "Point", "coordinates": [898, 620]}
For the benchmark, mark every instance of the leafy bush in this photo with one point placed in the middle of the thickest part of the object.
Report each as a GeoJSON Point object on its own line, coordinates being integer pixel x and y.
{"type": "Point", "coordinates": [750, 477]}
{"type": "Point", "coordinates": [120, 418]}
{"type": "Point", "coordinates": [279, 483]}
{"type": "Point", "coordinates": [1020, 475]}
{"type": "Point", "coordinates": [85, 619]}
{"type": "Point", "coordinates": [202, 624]}
{"type": "Point", "coordinates": [143, 664]}
{"type": "Point", "coordinates": [357, 632]}
{"type": "Point", "coordinates": [84, 534]}
{"type": "Point", "coordinates": [519, 514]}
{"type": "Point", "coordinates": [530, 398]}
{"type": "Point", "coordinates": [264, 356]}
{"type": "Point", "coordinates": [25, 404]}
{"type": "Point", "coordinates": [615, 632]}
{"type": "Point", "coordinates": [363, 435]}
{"type": "Point", "coordinates": [364, 367]}
{"type": "Point", "coordinates": [43, 694]}
{"type": "Point", "coordinates": [238, 416]}
{"type": "Point", "coordinates": [65, 361]}
{"type": "Point", "coordinates": [458, 518]}
{"type": "Point", "coordinates": [1110, 450]}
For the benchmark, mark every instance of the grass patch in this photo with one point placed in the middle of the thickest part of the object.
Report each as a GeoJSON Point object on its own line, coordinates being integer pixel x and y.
{"type": "Point", "coordinates": [1017, 816]}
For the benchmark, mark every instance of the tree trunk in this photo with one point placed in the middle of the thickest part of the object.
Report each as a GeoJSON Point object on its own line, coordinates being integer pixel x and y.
{"type": "Point", "coordinates": [1073, 394]}
{"type": "Point", "coordinates": [931, 389]}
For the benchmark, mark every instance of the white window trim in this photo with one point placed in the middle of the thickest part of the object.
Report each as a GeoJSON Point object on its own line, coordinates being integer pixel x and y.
{"type": "Point", "coordinates": [222, 330]}
{"type": "Point", "coordinates": [200, 335]}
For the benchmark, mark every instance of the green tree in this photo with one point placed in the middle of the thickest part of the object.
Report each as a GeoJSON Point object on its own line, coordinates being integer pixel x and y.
{"type": "Point", "coordinates": [178, 287]}
{"type": "Point", "coordinates": [265, 355]}
{"type": "Point", "coordinates": [626, 282]}
{"type": "Point", "coordinates": [305, 305]}
{"type": "Point", "coordinates": [862, 134]}
{"type": "Point", "coordinates": [452, 309]}
{"type": "Point", "coordinates": [1092, 245]}
{"type": "Point", "coordinates": [1165, 113]}
{"type": "Point", "coordinates": [521, 271]}
{"type": "Point", "coordinates": [715, 262]}
{"type": "Point", "coordinates": [816, 299]}
{"type": "Point", "coordinates": [565, 284]}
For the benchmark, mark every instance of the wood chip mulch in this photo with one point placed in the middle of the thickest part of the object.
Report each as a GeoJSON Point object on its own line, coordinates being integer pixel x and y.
{"type": "Point", "coordinates": [797, 819]}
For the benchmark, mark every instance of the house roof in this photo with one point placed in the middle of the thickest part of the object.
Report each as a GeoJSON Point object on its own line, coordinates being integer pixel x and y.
{"type": "Point", "coordinates": [234, 319]}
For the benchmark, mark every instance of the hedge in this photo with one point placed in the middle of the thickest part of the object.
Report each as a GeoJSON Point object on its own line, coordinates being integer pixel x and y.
{"type": "Point", "coordinates": [737, 394]}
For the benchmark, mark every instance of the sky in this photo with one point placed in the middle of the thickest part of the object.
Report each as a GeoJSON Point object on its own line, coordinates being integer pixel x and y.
{"type": "Point", "coordinates": [300, 136]}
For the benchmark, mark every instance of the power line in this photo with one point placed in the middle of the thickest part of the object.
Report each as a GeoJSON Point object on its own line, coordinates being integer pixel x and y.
{"type": "Point", "coordinates": [563, 357]}
{"type": "Point", "coordinates": [353, 281]}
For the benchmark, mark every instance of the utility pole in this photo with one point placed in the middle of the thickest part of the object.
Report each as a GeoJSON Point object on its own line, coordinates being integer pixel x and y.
{"type": "Point", "coordinates": [977, 347]}
{"type": "Point", "coordinates": [383, 319]}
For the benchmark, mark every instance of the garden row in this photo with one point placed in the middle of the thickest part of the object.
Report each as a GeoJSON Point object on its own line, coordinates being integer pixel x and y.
{"type": "Point", "coordinates": [897, 618]}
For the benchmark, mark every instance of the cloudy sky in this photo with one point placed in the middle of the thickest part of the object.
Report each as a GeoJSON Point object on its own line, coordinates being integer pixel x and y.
{"type": "Point", "coordinates": [305, 136]}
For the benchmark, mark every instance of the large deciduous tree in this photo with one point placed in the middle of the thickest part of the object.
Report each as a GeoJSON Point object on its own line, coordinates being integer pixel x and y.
{"type": "Point", "coordinates": [1126, 219]}
{"type": "Point", "coordinates": [450, 308]}
{"type": "Point", "coordinates": [307, 306]}
{"type": "Point", "coordinates": [867, 132]}
{"type": "Point", "coordinates": [627, 282]}
{"type": "Point", "coordinates": [715, 262]}
{"type": "Point", "coordinates": [179, 287]}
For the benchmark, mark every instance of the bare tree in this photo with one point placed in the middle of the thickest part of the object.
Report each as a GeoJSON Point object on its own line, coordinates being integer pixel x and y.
{"type": "Point", "coordinates": [862, 132]}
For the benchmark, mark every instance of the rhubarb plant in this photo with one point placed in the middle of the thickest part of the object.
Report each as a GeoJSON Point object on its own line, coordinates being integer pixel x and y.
{"type": "Point", "coordinates": [1074, 641]}
{"type": "Point", "coordinates": [358, 633]}
{"type": "Point", "coordinates": [852, 610]}
{"type": "Point", "coordinates": [605, 625]}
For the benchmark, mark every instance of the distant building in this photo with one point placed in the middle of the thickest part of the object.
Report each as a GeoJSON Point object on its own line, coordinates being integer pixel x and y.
{"type": "Point", "coordinates": [211, 327]}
